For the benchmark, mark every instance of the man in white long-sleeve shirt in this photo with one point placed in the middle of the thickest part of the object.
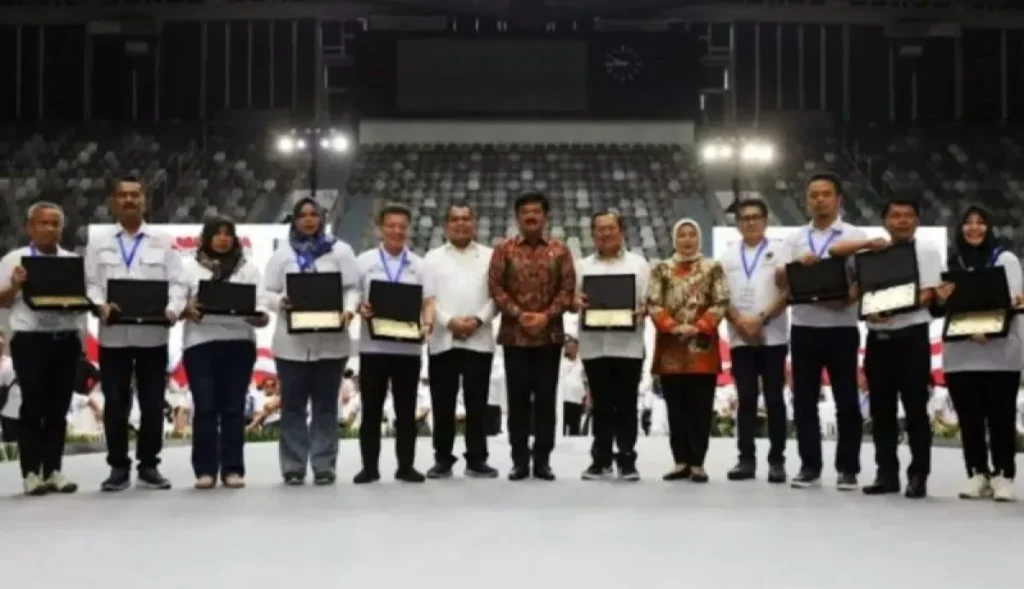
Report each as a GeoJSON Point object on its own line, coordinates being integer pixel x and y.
{"type": "Point", "coordinates": [133, 250]}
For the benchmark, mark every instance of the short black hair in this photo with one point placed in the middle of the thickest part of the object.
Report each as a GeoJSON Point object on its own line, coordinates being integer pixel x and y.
{"type": "Point", "coordinates": [393, 209]}
{"type": "Point", "coordinates": [604, 213]}
{"type": "Point", "coordinates": [827, 176]}
{"type": "Point", "coordinates": [532, 198]}
{"type": "Point", "coordinates": [458, 205]}
{"type": "Point", "coordinates": [752, 202]}
{"type": "Point", "coordinates": [901, 201]}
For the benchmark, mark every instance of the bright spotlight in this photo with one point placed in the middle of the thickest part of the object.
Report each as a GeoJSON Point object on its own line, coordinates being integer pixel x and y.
{"type": "Point", "coordinates": [337, 143]}
{"type": "Point", "coordinates": [286, 144]}
{"type": "Point", "coordinates": [757, 153]}
{"type": "Point", "coordinates": [717, 152]}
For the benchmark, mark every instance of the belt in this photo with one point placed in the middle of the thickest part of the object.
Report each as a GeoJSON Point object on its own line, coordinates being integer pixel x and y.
{"type": "Point", "coordinates": [903, 332]}
{"type": "Point", "coordinates": [49, 334]}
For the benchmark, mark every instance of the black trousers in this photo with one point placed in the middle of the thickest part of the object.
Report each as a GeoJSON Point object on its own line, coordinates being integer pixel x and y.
{"type": "Point", "coordinates": [834, 349]}
{"type": "Point", "coordinates": [614, 384]}
{"type": "Point", "coordinates": [447, 371]}
{"type": "Point", "coordinates": [757, 370]}
{"type": "Point", "coordinates": [531, 378]}
{"type": "Point", "coordinates": [493, 420]}
{"type": "Point", "coordinates": [572, 418]}
{"type": "Point", "coordinates": [986, 403]}
{"type": "Point", "coordinates": [690, 400]}
{"type": "Point", "coordinates": [376, 373]}
{"type": "Point", "coordinates": [149, 368]}
{"type": "Point", "coordinates": [8, 430]}
{"type": "Point", "coordinates": [45, 365]}
{"type": "Point", "coordinates": [898, 368]}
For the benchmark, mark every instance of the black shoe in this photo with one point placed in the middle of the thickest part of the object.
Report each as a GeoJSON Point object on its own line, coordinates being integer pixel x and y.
{"type": "Point", "coordinates": [324, 478]}
{"type": "Point", "coordinates": [440, 471]}
{"type": "Point", "coordinates": [776, 474]}
{"type": "Point", "coordinates": [597, 472]}
{"type": "Point", "coordinates": [846, 482]}
{"type": "Point", "coordinates": [150, 478]}
{"type": "Point", "coordinates": [543, 472]}
{"type": "Point", "coordinates": [366, 476]}
{"type": "Point", "coordinates": [520, 472]}
{"type": "Point", "coordinates": [882, 486]}
{"type": "Point", "coordinates": [806, 479]}
{"type": "Point", "coordinates": [744, 470]}
{"type": "Point", "coordinates": [119, 480]}
{"type": "Point", "coordinates": [628, 471]}
{"type": "Point", "coordinates": [679, 474]}
{"type": "Point", "coordinates": [409, 475]}
{"type": "Point", "coordinates": [917, 488]}
{"type": "Point", "coordinates": [481, 470]}
{"type": "Point", "coordinates": [294, 479]}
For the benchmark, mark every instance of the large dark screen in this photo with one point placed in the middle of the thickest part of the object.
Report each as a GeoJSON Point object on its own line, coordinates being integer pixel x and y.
{"type": "Point", "coordinates": [492, 75]}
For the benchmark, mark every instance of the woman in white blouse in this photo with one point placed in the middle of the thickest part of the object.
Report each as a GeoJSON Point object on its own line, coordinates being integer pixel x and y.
{"type": "Point", "coordinates": [219, 353]}
{"type": "Point", "coordinates": [310, 365]}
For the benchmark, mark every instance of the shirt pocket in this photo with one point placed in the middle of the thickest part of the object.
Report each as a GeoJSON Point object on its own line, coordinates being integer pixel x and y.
{"type": "Point", "coordinates": [109, 264]}
{"type": "Point", "coordinates": [152, 265]}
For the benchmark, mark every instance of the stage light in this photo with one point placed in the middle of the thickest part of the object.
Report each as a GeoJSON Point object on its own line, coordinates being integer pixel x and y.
{"type": "Point", "coordinates": [757, 152]}
{"type": "Point", "coordinates": [286, 144]}
{"type": "Point", "coordinates": [746, 152]}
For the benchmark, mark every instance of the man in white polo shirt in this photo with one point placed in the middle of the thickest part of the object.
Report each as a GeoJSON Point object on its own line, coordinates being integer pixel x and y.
{"type": "Point", "coordinates": [898, 362]}
{"type": "Point", "coordinates": [462, 343]}
{"type": "Point", "coordinates": [758, 338]}
{"type": "Point", "coordinates": [45, 349]}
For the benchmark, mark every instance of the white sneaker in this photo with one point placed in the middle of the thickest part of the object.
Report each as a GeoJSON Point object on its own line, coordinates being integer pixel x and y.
{"type": "Point", "coordinates": [34, 485]}
{"type": "Point", "coordinates": [978, 487]}
{"type": "Point", "coordinates": [58, 483]}
{"type": "Point", "coordinates": [1002, 489]}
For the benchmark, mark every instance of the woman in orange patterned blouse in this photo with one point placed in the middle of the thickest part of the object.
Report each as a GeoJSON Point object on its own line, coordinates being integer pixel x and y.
{"type": "Point", "coordinates": [688, 297]}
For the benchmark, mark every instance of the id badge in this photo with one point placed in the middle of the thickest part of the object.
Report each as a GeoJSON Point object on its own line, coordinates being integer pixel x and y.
{"type": "Point", "coordinates": [745, 299]}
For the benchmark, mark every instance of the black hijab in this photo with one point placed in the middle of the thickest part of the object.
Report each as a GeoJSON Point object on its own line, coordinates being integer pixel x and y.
{"type": "Point", "coordinates": [222, 265]}
{"type": "Point", "coordinates": [971, 257]}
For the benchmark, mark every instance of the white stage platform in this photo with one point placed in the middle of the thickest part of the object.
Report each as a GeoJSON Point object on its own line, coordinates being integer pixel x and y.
{"type": "Point", "coordinates": [497, 534]}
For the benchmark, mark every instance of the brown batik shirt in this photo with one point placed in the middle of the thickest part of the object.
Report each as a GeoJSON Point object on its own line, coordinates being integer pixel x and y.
{"type": "Point", "coordinates": [538, 278]}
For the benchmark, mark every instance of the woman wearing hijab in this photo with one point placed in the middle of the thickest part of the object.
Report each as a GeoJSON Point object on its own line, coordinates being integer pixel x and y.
{"type": "Point", "coordinates": [219, 354]}
{"type": "Point", "coordinates": [310, 365]}
{"type": "Point", "coordinates": [983, 375]}
{"type": "Point", "coordinates": [687, 298]}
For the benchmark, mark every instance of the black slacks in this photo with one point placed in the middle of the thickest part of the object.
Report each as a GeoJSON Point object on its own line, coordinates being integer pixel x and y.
{"type": "Point", "coordinates": [572, 418]}
{"type": "Point", "coordinates": [898, 368]}
{"type": "Point", "coordinates": [45, 365]}
{"type": "Point", "coordinates": [376, 373]}
{"type": "Point", "coordinates": [614, 384]}
{"type": "Point", "coordinates": [834, 349]}
{"type": "Point", "coordinates": [757, 370]}
{"type": "Point", "coordinates": [447, 370]}
{"type": "Point", "coordinates": [531, 379]}
{"type": "Point", "coordinates": [8, 430]}
{"type": "Point", "coordinates": [690, 400]}
{"type": "Point", "coordinates": [148, 366]}
{"type": "Point", "coordinates": [986, 403]}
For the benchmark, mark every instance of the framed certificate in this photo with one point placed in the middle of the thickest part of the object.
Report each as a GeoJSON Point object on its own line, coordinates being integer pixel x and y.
{"type": "Point", "coordinates": [980, 304]}
{"type": "Point", "coordinates": [611, 303]}
{"type": "Point", "coordinates": [139, 302]}
{"type": "Point", "coordinates": [823, 281]}
{"type": "Point", "coordinates": [55, 283]}
{"type": "Point", "coordinates": [316, 302]}
{"type": "Point", "coordinates": [396, 311]}
{"type": "Point", "coordinates": [889, 281]}
{"type": "Point", "coordinates": [227, 298]}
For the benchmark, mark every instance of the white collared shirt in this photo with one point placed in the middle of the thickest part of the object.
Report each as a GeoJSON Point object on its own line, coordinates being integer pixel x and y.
{"type": "Point", "coordinates": [753, 295]}
{"type": "Point", "coordinates": [11, 409]}
{"type": "Point", "coordinates": [460, 281]}
{"type": "Point", "coordinates": [798, 244]}
{"type": "Point", "coordinates": [213, 328]}
{"type": "Point", "coordinates": [614, 344]}
{"type": "Point", "coordinates": [929, 275]}
{"type": "Point", "coordinates": [155, 259]}
{"type": "Point", "coordinates": [309, 347]}
{"type": "Point", "coordinates": [571, 387]}
{"type": "Point", "coordinates": [24, 318]}
{"type": "Point", "coordinates": [413, 271]}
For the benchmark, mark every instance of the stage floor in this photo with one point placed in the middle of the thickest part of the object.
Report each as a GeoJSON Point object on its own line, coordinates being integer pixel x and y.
{"type": "Point", "coordinates": [497, 534]}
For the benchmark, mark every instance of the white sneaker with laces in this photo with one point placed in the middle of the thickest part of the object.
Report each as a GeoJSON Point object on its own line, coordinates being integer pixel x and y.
{"type": "Point", "coordinates": [58, 483]}
{"type": "Point", "coordinates": [34, 485]}
{"type": "Point", "coordinates": [978, 487]}
{"type": "Point", "coordinates": [1002, 489]}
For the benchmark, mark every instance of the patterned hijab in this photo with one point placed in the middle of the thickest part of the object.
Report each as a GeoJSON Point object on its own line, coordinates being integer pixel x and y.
{"type": "Point", "coordinates": [678, 257]}
{"type": "Point", "coordinates": [222, 265]}
{"type": "Point", "coordinates": [313, 246]}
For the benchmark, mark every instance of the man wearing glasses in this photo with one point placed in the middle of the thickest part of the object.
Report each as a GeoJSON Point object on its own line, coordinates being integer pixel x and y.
{"type": "Point", "coordinates": [758, 336]}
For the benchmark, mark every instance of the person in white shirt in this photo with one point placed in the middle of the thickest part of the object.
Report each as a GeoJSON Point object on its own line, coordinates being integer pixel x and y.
{"type": "Point", "coordinates": [613, 360]}
{"type": "Point", "coordinates": [219, 354]}
{"type": "Point", "coordinates": [571, 388]}
{"type": "Point", "coordinates": [310, 365]}
{"type": "Point", "coordinates": [462, 345]}
{"type": "Point", "coordinates": [10, 400]}
{"type": "Point", "coordinates": [898, 361]}
{"type": "Point", "coordinates": [45, 349]}
{"type": "Point", "coordinates": [758, 338]}
{"type": "Point", "coordinates": [983, 374]}
{"type": "Point", "coordinates": [383, 362]}
{"type": "Point", "coordinates": [824, 336]}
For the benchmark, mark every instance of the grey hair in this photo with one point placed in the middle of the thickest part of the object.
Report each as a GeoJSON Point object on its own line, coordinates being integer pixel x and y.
{"type": "Point", "coordinates": [44, 205]}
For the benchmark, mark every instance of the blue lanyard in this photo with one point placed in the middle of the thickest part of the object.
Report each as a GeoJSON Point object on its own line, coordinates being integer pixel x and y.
{"type": "Point", "coordinates": [306, 262]}
{"type": "Point", "coordinates": [401, 265]}
{"type": "Point", "coordinates": [991, 261]}
{"type": "Point", "coordinates": [33, 252]}
{"type": "Point", "coordinates": [818, 253]}
{"type": "Point", "coordinates": [129, 256]}
{"type": "Point", "coordinates": [749, 270]}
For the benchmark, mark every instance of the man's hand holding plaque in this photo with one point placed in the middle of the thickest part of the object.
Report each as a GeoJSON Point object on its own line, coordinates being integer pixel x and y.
{"type": "Point", "coordinates": [888, 279]}
{"type": "Point", "coordinates": [314, 302]}
{"type": "Point", "coordinates": [394, 311]}
{"type": "Point", "coordinates": [52, 283]}
{"type": "Point", "coordinates": [609, 302]}
{"type": "Point", "coordinates": [977, 303]}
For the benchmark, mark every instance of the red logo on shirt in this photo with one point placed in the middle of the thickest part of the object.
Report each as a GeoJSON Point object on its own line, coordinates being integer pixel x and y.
{"type": "Point", "coordinates": [185, 242]}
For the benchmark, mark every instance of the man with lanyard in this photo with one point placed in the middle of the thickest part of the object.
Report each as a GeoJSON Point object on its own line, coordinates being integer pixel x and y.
{"type": "Point", "coordinates": [134, 251]}
{"type": "Point", "coordinates": [824, 337]}
{"type": "Point", "coordinates": [758, 334]}
{"type": "Point", "coordinates": [389, 364]}
{"type": "Point", "coordinates": [898, 361]}
{"type": "Point", "coordinates": [613, 361]}
{"type": "Point", "coordinates": [45, 349]}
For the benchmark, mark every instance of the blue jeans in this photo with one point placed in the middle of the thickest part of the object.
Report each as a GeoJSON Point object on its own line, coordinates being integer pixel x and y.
{"type": "Point", "coordinates": [314, 441]}
{"type": "Point", "coordinates": [219, 374]}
